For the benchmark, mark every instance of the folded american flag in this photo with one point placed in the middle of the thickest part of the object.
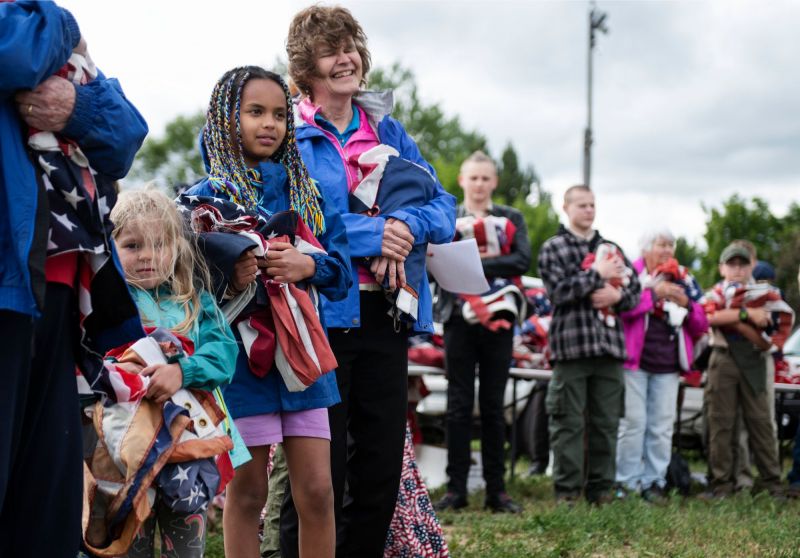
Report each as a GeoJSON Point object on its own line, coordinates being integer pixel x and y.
{"type": "Point", "coordinates": [280, 325]}
{"type": "Point", "coordinates": [673, 272]}
{"type": "Point", "coordinates": [80, 201]}
{"type": "Point", "coordinates": [493, 234]}
{"type": "Point", "coordinates": [755, 295]}
{"type": "Point", "coordinates": [504, 303]}
{"type": "Point", "coordinates": [393, 184]}
{"type": "Point", "coordinates": [500, 307]}
{"type": "Point", "coordinates": [608, 251]}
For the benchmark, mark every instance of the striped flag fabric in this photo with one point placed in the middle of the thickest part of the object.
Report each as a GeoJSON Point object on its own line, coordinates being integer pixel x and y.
{"type": "Point", "coordinates": [280, 327]}
{"type": "Point", "coordinates": [140, 445]}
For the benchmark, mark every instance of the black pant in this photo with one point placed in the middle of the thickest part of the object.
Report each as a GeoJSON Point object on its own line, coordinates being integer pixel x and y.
{"type": "Point", "coordinates": [41, 474]}
{"type": "Point", "coordinates": [540, 452]}
{"type": "Point", "coordinates": [367, 433]}
{"type": "Point", "coordinates": [465, 346]}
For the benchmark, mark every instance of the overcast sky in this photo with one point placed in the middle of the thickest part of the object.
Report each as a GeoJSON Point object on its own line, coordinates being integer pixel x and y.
{"type": "Point", "coordinates": [694, 101]}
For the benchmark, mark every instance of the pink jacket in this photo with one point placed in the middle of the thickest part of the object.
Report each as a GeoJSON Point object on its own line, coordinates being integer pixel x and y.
{"type": "Point", "coordinates": [634, 324]}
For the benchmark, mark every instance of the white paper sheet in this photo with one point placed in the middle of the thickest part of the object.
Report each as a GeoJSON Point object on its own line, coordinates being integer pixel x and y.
{"type": "Point", "coordinates": [457, 267]}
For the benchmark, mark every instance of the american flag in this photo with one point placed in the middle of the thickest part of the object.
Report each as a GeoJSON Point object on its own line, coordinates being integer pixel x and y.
{"type": "Point", "coordinates": [80, 201]}
{"type": "Point", "coordinates": [493, 234]}
{"type": "Point", "coordinates": [143, 445]}
{"type": "Point", "coordinates": [280, 326]}
{"type": "Point", "coordinates": [395, 184]}
{"type": "Point", "coordinates": [504, 303]}
{"type": "Point", "coordinates": [755, 295]}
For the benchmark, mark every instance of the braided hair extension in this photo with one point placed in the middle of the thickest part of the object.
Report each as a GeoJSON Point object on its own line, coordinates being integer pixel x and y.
{"type": "Point", "coordinates": [229, 173]}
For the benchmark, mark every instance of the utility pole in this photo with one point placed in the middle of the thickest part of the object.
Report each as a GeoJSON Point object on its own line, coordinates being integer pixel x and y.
{"type": "Point", "coordinates": [596, 23]}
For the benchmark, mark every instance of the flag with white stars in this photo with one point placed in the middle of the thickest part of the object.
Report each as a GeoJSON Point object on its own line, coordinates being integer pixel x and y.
{"type": "Point", "coordinates": [80, 201]}
{"type": "Point", "coordinates": [189, 487]}
{"type": "Point", "coordinates": [179, 448]}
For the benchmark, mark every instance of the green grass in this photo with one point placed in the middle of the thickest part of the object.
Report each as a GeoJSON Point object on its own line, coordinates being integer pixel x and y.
{"type": "Point", "coordinates": [741, 526]}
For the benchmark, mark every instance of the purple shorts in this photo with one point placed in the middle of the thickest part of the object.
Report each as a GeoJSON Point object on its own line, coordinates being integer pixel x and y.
{"type": "Point", "coordinates": [272, 428]}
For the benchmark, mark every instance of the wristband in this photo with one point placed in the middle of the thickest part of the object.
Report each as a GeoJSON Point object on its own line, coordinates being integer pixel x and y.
{"type": "Point", "coordinates": [743, 315]}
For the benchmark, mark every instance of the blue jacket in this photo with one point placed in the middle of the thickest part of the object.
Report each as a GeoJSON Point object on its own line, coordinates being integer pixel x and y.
{"type": "Point", "coordinates": [433, 222]}
{"type": "Point", "coordinates": [36, 39]}
{"type": "Point", "coordinates": [247, 394]}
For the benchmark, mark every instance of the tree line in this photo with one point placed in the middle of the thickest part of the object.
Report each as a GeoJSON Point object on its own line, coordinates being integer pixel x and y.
{"type": "Point", "coordinates": [173, 159]}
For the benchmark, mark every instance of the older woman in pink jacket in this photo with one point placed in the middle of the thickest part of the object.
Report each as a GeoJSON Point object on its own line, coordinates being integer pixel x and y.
{"type": "Point", "coordinates": [660, 333]}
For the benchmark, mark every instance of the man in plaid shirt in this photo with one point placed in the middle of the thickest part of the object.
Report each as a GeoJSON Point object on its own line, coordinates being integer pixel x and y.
{"type": "Point", "coordinates": [587, 353]}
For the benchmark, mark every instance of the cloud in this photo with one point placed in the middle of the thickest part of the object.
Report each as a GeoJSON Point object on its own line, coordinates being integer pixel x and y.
{"type": "Point", "coordinates": [693, 100]}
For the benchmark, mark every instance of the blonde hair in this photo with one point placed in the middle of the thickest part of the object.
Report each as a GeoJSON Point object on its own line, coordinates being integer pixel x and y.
{"type": "Point", "coordinates": [573, 189]}
{"type": "Point", "coordinates": [478, 157]}
{"type": "Point", "coordinates": [186, 274]}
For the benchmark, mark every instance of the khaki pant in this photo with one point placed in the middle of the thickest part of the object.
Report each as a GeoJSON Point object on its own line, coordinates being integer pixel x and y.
{"type": "Point", "coordinates": [585, 396]}
{"type": "Point", "coordinates": [743, 465]}
{"type": "Point", "coordinates": [728, 392]}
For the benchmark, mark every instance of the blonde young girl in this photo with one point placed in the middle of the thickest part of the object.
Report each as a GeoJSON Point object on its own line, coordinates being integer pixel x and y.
{"type": "Point", "coordinates": [161, 268]}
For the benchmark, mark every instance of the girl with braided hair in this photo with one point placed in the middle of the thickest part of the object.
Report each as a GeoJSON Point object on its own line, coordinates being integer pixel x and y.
{"type": "Point", "coordinates": [249, 147]}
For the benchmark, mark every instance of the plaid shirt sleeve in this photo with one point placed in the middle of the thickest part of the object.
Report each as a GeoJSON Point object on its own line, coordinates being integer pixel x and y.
{"type": "Point", "coordinates": [576, 330]}
{"type": "Point", "coordinates": [565, 283]}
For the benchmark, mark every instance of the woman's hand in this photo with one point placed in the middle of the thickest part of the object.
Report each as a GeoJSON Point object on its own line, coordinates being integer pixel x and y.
{"type": "Point", "coordinates": [397, 240]}
{"type": "Point", "coordinates": [165, 380]}
{"type": "Point", "coordinates": [396, 271]}
{"type": "Point", "coordinates": [285, 264]}
{"type": "Point", "coordinates": [244, 271]}
{"type": "Point", "coordinates": [662, 289]}
{"type": "Point", "coordinates": [678, 296]}
{"type": "Point", "coordinates": [672, 292]}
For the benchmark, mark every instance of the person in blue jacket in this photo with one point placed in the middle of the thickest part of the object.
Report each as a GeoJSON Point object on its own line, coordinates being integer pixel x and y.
{"type": "Point", "coordinates": [40, 437]}
{"type": "Point", "coordinates": [249, 145]}
{"type": "Point", "coordinates": [328, 61]}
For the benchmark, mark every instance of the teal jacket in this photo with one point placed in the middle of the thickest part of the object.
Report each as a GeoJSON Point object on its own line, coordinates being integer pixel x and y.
{"type": "Point", "coordinates": [215, 348]}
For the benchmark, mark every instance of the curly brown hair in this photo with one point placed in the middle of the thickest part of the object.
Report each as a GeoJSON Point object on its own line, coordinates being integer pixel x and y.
{"type": "Point", "coordinates": [321, 26]}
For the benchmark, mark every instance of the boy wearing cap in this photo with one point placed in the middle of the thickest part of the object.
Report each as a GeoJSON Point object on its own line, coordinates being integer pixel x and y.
{"type": "Point", "coordinates": [737, 378]}
{"type": "Point", "coordinates": [763, 272]}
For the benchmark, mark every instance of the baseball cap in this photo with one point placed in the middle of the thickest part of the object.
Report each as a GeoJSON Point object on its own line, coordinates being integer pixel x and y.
{"type": "Point", "coordinates": [734, 251]}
